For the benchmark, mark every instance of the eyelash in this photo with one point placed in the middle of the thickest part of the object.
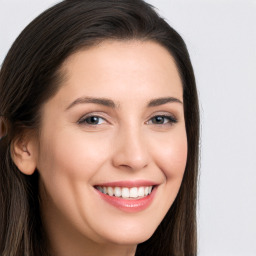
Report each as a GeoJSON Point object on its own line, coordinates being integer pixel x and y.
{"type": "Point", "coordinates": [168, 120]}
{"type": "Point", "coordinates": [84, 121]}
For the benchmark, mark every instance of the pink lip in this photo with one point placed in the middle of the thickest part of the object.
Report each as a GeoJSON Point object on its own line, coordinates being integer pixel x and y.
{"type": "Point", "coordinates": [129, 205]}
{"type": "Point", "coordinates": [128, 184]}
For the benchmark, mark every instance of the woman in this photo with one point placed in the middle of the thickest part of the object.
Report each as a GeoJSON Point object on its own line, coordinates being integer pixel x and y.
{"type": "Point", "coordinates": [99, 134]}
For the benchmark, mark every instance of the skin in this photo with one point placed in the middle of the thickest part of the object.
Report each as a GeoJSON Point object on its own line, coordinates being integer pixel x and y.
{"type": "Point", "coordinates": [125, 144]}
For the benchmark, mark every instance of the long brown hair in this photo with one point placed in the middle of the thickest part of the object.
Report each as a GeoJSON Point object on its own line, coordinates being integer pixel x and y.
{"type": "Point", "coordinates": [30, 76]}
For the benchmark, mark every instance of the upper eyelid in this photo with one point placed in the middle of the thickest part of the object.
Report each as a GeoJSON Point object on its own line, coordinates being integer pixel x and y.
{"type": "Point", "coordinates": [95, 113]}
{"type": "Point", "coordinates": [102, 114]}
{"type": "Point", "coordinates": [81, 119]}
{"type": "Point", "coordinates": [163, 113]}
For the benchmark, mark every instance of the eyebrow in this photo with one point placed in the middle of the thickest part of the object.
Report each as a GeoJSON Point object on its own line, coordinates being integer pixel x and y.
{"type": "Point", "coordinates": [99, 101]}
{"type": "Point", "coordinates": [111, 104]}
{"type": "Point", "coordinates": [162, 101]}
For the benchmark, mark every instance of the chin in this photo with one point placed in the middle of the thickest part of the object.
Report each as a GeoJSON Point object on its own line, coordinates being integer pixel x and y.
{"type": "Point", "coordinates": [131, 236]}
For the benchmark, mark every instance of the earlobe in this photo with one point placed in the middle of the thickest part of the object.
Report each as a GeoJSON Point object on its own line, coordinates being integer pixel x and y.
{"type": "Point", "coordinates": [24, 156]}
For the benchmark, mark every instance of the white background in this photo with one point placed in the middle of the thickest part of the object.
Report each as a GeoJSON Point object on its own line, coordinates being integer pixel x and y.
{"type": "Point", "coordinates": [221, 38]}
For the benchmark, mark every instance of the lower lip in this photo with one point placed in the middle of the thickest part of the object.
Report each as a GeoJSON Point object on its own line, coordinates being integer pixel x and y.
{"type": "Point", "coordinates": [130, 205]}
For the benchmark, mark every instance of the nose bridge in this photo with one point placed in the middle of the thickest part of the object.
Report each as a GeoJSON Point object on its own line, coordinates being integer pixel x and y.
{"type": "Point", "coordinates": [131, 150]}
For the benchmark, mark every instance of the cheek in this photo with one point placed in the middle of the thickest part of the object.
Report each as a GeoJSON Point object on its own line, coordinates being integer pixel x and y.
{"type": "Point", "coordinates": [66, 165]}
{"type": "Point", "coordinates": [171, 155]}
{"type": "Point", "coordinates": [171, 159]}
{"type": "Point", "coordinates": [72, 155]}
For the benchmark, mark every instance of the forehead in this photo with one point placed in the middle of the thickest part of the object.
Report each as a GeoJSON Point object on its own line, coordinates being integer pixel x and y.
{"type": "Point", "coordinates": [126, 68]}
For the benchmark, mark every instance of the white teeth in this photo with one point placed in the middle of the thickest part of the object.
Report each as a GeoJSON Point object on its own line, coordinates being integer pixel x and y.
{"type": "Point", "coordinates": [117, 191]}
{"type": "Point", "coordinates": [146, 191]}
{"type": "Point", "coordinates": [141, 191]}
{"type": "Point", "coordinates": [110, 191]}
{"type": "Point", "coordinates": [124, 192]}
{"type": "Point", "coordinates": [100, 189]}
{"type": "Point", "coordinates": [133, 192]}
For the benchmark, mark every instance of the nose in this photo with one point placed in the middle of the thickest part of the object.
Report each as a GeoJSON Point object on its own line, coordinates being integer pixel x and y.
{"type": "Point", "coordinates": [130, 150]}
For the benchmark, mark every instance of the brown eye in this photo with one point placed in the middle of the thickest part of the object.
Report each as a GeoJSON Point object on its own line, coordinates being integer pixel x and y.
{"type": "Point", "coordinates": [158, 120]}
{"type": "Point", "coordinates": [162, 119]}
{"type": "Point", "coordinates": [92, 120]}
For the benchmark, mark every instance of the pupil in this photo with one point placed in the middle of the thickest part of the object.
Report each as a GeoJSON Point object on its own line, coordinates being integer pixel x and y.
{"type": "Point", "coordinates": [93, 120]}
{"type": "Point", "coordinates": [159, 119]}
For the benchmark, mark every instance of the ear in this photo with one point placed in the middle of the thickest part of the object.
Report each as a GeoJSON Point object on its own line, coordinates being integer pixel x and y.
{"type": "Point", "coordinates": [24, 155]}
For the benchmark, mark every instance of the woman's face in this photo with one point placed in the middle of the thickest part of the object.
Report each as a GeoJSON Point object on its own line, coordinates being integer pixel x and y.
{"type": "Point", "coordinates": [114, 131]}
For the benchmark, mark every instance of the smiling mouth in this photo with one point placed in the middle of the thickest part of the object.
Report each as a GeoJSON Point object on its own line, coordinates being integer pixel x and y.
{"type": "Point", "coordinates": [126, 193]}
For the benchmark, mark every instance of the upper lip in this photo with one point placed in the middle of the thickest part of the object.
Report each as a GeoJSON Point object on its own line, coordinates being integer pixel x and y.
{"type": "Point", "coordinates": [128, 183]}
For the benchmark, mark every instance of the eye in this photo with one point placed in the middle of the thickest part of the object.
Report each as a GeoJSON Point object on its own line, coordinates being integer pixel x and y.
{"type": "Point", "coordinates": [162, 120]}
{"type": "Point", "coordinates": [92, 120]}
